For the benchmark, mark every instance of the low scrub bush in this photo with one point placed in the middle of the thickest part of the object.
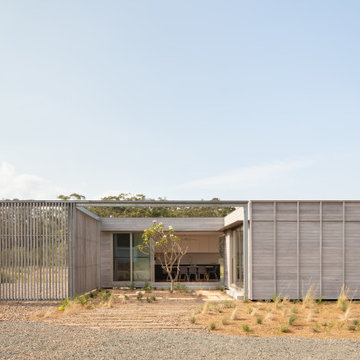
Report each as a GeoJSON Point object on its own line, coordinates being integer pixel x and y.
{"type": "Point", "coordinates": [342, 301]}
{"type": "Point", "coordinates": [148, 288]}
{"type": "Point", "coordinates": [246, 328]}
{"type": "Point", "coordinates": [292, 319]}
{"type": "Point", "coordinates": [229, 304]}
{"type": "Point", "coordinates": [150, 299]}
{"type": "Point", "coordinates": [82, 300]}
{"type": "Point", "coordinates": [64, 304]}
{"type": "Point", "coordinates": [105, 296]}
{"type": "Point", "coordinates": [212, 326]}
{"type": "Point", "coordinates": [284, 329]}
{"type": "Point", "coordinates": [181, 287]}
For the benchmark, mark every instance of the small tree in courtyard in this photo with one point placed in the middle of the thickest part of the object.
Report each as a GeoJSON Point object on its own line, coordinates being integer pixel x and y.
{"type": "Point", "coordinates": [168, 248]}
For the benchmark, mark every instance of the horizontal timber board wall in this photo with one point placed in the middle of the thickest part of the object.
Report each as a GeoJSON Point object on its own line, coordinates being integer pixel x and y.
{"type": "Point", "coordinates": [86, 263]}
{"type": "Point", "coordinates": [179, 224]}
{"type": "Point", "coordinates": [298, 245]}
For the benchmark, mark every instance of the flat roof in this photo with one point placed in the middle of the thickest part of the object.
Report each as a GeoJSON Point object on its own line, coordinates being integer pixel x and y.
{"type": "Point", "coordinates": [140, 203]}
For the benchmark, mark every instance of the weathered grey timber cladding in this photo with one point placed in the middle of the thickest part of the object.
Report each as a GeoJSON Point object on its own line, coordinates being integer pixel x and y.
{"type": "Point", "coordinates": [86, 253]}
{"type": "Point", "coordinates": [296, 245]}
{"type": "Point", "coordinates": [180, 224]}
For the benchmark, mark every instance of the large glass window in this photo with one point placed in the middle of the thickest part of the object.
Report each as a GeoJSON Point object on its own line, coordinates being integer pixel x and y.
{"type": "Point", "coordinates": [141, 261]}
{"type": "Point", "coordinates": [130, 264]}
{"type": "Point", "coordinates": [121, 251]}
{"type": "Point", "coordinates": [237, 257]}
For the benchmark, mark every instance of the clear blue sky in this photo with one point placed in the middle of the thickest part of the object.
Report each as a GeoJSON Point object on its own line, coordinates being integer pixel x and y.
{"type": "Point", "coordinates": [186, 99]}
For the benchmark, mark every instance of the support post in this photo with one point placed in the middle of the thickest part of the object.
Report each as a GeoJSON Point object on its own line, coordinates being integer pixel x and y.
{"type": "Point", "coordinates": [245, 251]}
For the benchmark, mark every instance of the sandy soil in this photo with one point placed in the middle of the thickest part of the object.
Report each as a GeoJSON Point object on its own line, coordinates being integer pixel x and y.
{"type": "Point", "coordinates": [325, 320]}
{"type": "Point", "coordinates": [160, 310]}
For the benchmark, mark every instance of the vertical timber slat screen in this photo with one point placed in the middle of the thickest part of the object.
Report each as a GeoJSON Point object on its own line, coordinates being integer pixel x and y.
{"type": "Point", "coordinates": [34, 250]}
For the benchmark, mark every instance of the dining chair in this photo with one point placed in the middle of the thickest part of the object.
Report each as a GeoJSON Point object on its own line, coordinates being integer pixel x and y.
{"type": "Point", "coordinates": [193, 272]}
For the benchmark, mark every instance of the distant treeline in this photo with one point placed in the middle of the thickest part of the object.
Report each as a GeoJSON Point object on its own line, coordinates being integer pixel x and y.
{"type": "Point", "coordinates": [150, 211]}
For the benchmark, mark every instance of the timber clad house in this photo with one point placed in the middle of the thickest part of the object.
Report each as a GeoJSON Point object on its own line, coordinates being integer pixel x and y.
{"type": "Point", "coordinates": [55, 249]}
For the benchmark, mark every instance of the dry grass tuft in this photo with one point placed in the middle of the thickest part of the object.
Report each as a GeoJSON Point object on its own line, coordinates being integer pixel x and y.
{"type": "Point", "coordinates": [233, 314]}
{"type": "Point", "coordinates": [254, 312]}
{"type": "Point", "coordinates": [205, 308]}
{"type": "Point", "coordinates": [346, 316]}
{"type": "Point", "coordinates": [269, 317]}
{"type": "Point", "coordinates": [310, 316]}
{"type": "Point", "coordinates": [309, 298]}
{"type": "Point", "coordinates": [343, 302]}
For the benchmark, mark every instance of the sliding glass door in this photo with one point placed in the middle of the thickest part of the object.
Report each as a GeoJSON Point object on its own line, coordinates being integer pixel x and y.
{"type": "Point", "coordinates": [237, 269]}
{"type": "Point", "coordinates": [122, 260]}
{"type": "Point", "coordinates": [130, 264]}
{"type": "Point", "coordinates": [140, 261]}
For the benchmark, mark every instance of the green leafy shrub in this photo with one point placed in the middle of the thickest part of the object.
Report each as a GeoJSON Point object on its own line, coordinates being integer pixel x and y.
{"type": "Point", "coordinates": [105, 296]}
{"type": "Point", "coordinates": [139, 295]}
{"type": "Point", "coordinates": [259, 320]}
{"type": "Point", "coordinates": [95, 293]}
{"type": "Point", "coordinates": [246, 328]}
{"type": "Point", "coordinates": [212, 326]}
{"type": "Point", "coordinates": [64, 304]}
{"type": "Point", "coordinates": [342, 301]}
{"type": "Point", "coordinates": [82, 300]}
{"type": "Point", "coordinates": [284, 329]}
{"type": "Point", "coordinates": [181, 287]}
{"type": "Point", "coordinates": [148, 288]}
{"type": "Point", "coordinates": [292, 319]}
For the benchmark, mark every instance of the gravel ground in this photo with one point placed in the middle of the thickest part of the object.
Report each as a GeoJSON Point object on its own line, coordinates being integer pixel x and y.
{"type": "Point", "coordinates": [20, 340]}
